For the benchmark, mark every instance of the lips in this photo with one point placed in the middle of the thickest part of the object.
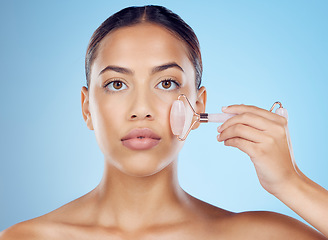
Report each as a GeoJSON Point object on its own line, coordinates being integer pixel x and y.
{"type": "Point", "coordinates": [140, 139]}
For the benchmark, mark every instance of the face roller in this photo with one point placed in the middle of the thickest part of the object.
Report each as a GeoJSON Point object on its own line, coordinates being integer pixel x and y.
{"type": "Point", "coordinates": [179, 118]}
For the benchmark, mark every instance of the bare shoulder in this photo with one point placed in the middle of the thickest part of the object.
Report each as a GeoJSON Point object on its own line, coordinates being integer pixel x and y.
{"type": "Point", "coordinates": [253, 224]}
{"type": "Point", "coordinates": [31, 229]}
{"type": "Point", "coordinates": [52, 225]}
{"type": "Point", "coordinates": [267, 225]}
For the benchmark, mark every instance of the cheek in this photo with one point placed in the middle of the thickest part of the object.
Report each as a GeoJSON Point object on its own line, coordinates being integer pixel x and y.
{"type": "Point", "coordinates": [163, 108]}
{"type": "Point", "coordinates": [107, 121]}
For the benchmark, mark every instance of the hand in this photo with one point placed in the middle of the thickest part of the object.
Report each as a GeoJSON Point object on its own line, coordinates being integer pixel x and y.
{"type": "Point", "coordinates": [262, 136]}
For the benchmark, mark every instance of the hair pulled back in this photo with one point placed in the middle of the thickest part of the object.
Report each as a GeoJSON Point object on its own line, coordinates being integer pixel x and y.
{"type": "Point", "coordinates": [147, 14]}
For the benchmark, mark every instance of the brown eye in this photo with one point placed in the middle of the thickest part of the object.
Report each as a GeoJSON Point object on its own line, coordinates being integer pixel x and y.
{"type": "Point", "coordinates": [166, 84]}
{"type": "Point", "coordinates": [117, 85]}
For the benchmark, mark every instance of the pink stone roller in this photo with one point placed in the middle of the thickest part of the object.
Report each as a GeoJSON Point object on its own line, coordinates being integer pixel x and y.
{"type": "Point", "coordinates": [179, 118]}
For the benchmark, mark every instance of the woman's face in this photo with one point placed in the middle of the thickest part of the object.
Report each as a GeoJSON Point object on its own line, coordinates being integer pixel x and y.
{"type": "Point", "coordinates": [137, 74]}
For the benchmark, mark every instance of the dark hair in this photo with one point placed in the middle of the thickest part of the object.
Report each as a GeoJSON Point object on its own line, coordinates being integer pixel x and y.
{"type": "Point", "coordinates": [151, 14]}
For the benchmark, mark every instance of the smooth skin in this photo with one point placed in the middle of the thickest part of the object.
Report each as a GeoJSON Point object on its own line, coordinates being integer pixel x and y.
{"type": "Point", "coordinates": [139, 196]}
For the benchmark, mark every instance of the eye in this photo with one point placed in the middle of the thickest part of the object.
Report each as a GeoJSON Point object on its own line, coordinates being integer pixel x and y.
{"type": "Point", "coordinates": [168, 84]}
{"type": "Point", "coordinates": [116, 86]}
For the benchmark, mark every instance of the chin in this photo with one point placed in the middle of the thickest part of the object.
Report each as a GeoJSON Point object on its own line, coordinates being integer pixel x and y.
{"type": "Point", "coordinates": [145, 166]}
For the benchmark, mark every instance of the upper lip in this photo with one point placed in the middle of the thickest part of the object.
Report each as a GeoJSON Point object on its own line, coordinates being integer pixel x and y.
{"type": "Point", "coordinates": [141, 133]}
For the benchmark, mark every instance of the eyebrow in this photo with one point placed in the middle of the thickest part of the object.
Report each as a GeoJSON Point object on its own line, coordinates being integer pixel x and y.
{"type": "Point", "coordinates": [130, 72]}
{"type": "Point", "coordinates": [166, 66]}
{"type": "Point", "coordinates": [116, 69]}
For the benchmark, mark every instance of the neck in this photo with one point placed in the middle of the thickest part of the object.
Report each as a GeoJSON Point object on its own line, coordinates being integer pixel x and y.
{"type": "Point", "coordinates": [135, 202]}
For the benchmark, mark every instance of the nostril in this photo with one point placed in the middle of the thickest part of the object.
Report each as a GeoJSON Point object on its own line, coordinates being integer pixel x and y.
{"type": "Point", "coordinates": [136, 117]}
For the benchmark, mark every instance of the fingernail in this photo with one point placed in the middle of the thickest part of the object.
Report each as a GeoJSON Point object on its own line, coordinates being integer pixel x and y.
{"type": "Point", "coordinates": [224, 108]}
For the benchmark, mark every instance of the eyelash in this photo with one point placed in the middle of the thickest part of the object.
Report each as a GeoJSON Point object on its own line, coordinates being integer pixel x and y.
{"type": "Point", "coordinates": [170, 79]}
{"type": "Point", "coordinates": [112, 81]}
{"type": "Point", "coordinates": [118, 80]}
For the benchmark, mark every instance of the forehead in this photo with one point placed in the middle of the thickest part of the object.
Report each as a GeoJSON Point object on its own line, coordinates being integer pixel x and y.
{"type": "Point", "coordinates": [142, 44]}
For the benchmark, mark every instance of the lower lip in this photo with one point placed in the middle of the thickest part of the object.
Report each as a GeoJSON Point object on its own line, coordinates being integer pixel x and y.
{"type": "Point", "coordinates": [140, 143]}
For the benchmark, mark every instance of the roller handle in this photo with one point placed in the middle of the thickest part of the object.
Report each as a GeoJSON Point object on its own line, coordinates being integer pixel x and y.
{"type": "Point", "coordinates": [219, 117]}
{"type": "Point", "coordinates": [222, 117]}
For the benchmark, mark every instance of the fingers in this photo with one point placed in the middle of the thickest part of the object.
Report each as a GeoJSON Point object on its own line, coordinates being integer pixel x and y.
{"type": "Point", "coordinates": [242, 131]}
{"type": "Point", "coordinates": [250, 119]}
{"type": "Point", "coordinates": [244, 145]}
{"type": "Point", "coordinates": [251, 129]}
{"type": "Point", "coordinates": [239, 109]}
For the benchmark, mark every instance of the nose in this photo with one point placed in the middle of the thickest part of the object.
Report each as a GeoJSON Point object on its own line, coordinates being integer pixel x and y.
{"type": "Point", "coordinates": [141, 107]}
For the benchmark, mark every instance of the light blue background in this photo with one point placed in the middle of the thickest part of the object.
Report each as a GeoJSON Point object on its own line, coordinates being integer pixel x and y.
{"type": "Point", "coordinates": [254, 52]}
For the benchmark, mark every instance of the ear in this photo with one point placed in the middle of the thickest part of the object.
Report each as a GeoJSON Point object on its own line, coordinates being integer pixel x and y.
{"type": "Point", "coordinates": [85, 107]}
{"type": "Point", "coordinates": [200, 103]}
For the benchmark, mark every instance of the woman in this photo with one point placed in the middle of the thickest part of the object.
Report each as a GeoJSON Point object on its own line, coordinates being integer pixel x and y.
{"type": "Point", "coordinates": [137, 63]}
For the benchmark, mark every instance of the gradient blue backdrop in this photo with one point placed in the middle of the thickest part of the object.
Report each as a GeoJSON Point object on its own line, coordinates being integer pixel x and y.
{"type": "Point", "coordinates": [254, 52]}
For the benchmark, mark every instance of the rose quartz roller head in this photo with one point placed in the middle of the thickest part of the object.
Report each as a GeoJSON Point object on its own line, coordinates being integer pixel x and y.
{"type": "Point", "coordinates": [179, 118]}
{"type": "Point", "coordinates": [280, 111]}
